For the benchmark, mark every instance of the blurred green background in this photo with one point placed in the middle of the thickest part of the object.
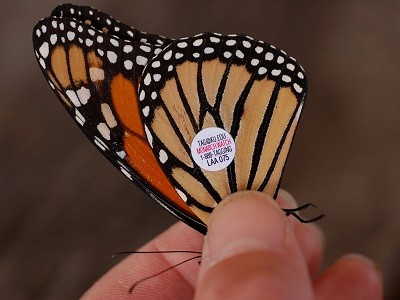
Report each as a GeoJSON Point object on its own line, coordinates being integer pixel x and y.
{"type": "Point", "coordinates": [64, 209]}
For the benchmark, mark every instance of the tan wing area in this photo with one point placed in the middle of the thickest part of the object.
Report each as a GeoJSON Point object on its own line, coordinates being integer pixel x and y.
{"type": "Point", "coordinates": [256, 103]}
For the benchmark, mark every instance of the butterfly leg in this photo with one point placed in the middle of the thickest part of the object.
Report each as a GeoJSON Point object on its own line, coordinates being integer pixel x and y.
{"type": "Point", "coordinates": [293, 212]}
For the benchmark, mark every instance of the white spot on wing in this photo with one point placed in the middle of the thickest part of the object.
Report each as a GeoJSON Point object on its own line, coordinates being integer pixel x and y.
{"type": "Point", "coordinates": [53, 39]}
{"type": "Point", "coordinates": [96, 74]}
{"type": "Point", "coordinates": [297, 88]}
{"type": "Point", "coordinates": [70, 35]}
{"type": "Point", "coordinates": [262, 71]}
{"type": "Point", "coordinates": [112, 57]}
{"type": "Point", "coordinates": [125, 172]}
{"type": "Point", "coordinates": [146, 111]}
{"type": "Point", "coordinates": [156, 77]}
{"type": "Point", "coordinates": [145, 48]}
{"type": "Point", "coordinates": [162, 156]}
{"type": "Point", "coordinates": [298, 113]}
{"type": "Point", "coordinates": [269, 56]}
{"type": "Point", "coordinates": [181, 194]}
{"type": "Point", "coordinates": [79, 118]}
{"type": "Point", "coordinates": [128, 64]}
{"type": "Point", "coordinates": [104, 130]}
{"type": "Point", "coordinates": [114, 42]}
{"type": "Point", "coordinates": [44, 50]}
{"type": "Point", "coordinates": [156, 64]}
{"type": "Point", "coordinates": [239, 54]}
{"type": "Point", "coordinates": [276, 72]}
{"type": "Point", "coordinates": [290, 67]}
{"type": "Point", "coordinates": [83, 94]}
{"type": "Point", "coordinates": [214, 39]}
{"type": "Point", "coordinates": [258, 49]}
{"type": "Point", "coordinates": [254, 62]}
{"type": "Point", "coordinates": [141, 60]}
{"type": "Point", "coordinates": [88, 42]}
{"type": "Point", "coordinates": [147, 79]}
{"type": "Point", "coordinates": [182, 45]}
{"type": "Point", "coordinates": [149, 136]}
{"type": "Point", "coordinates": [246, 44]}
{"type": "Point", "coordinates": [100, 143]}
{"type": "Point", "coordinates": [197, 42]}
{"type": "Point", "coordinates": [128, 48]}
{"type": "Point", "coordinates": [42, 63]}
{"type": "Point", "coordinates": [142, 95]}
{"type": "Point", "coordinates": [227, 54]}
{"type": "Point", "coordinates": [73, 97]}
{"type": "Point", "coordinates": [108, 115]}
{"type": "Point", "coordinates": [168, 55]}
{"type": "Point", "coordinates": [121, 154]}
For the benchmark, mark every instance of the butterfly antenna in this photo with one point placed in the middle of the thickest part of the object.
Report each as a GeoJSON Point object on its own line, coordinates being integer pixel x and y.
{"type": "Point", "coordinates": [157, 252]}
{"type": "Point", "coordinates": [163, 271]}
{"type": "Point", "coordinates": [293, 212]}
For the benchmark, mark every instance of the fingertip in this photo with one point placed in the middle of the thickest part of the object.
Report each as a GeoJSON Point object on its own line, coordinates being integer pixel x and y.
{"type": "Point", "coordinates": [357, 276]}
{"type": "Point", "coordinates": [370, 272]}
{"type": "Point", "coordinates": [244, 221]}
{"type": "Point", "coordinates": [250, 250]}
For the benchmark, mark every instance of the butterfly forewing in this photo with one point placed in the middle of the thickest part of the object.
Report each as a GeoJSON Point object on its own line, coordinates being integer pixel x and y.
{"type": "Point", "coordinates": [107, 24]}
{"type": "Point", "coordinates": [95, 75]}
{"type": "Point", "coordinates": [251, 89]}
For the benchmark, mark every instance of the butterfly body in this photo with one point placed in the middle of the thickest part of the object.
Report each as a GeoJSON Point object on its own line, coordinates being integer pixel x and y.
{"type": "Point", "coordinates": [144, 100]}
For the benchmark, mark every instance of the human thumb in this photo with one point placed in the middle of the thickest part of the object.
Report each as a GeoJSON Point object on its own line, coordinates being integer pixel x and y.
{"type": "Point", "coordinates": [250, 252]}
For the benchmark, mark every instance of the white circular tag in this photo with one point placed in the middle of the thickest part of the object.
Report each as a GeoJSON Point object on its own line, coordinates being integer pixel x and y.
{"type": "Point", "coordinates": [213, 149]}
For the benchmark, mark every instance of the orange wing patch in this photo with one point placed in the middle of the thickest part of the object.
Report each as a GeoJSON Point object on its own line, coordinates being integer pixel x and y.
{"type": "Point", "coordinates": [125, 102]}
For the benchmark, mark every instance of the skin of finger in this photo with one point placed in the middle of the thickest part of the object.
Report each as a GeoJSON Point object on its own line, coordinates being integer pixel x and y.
{"type": "Point", "coordinates": [177, 283]}
{"type": "Point", "coordinates": [309, 236]}
{"type": "Point", "coordinates": [253, 273]}
{"type": "Point", "coordinates": [350, 277]}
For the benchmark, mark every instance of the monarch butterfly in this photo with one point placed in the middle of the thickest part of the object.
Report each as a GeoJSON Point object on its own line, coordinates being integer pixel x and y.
{"type": "Point", "coordinates": [189, 120]}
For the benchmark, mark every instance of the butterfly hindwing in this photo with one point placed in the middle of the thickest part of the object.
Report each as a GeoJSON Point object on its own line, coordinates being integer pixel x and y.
{"type": "Point", "coordinates": [250, 89]}
{"type": "Point", "coordinates": [96, 75]}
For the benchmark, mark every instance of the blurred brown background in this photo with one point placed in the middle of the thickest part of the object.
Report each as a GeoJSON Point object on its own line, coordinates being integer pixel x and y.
{"type": "Point", "coordinates": [65, 209]}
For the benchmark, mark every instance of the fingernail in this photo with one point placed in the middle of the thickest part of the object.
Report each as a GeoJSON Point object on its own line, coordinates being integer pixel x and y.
{"type": "Point", "coordinates": [245, 221]}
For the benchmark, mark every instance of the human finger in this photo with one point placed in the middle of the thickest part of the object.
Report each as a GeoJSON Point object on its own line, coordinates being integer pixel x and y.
{"type": "Point", "coordinates": [353, 276]}
{"type": "Point", "coordinates": [177, 283]}
{"type": "Point", "coordinates": [251, 252]}
{"type": "Point", "coordinates": [309, 236]}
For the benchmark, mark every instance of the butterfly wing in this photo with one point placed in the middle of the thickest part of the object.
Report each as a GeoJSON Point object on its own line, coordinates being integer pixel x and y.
{"type": "Point", "coordinates": [95, 75]}
{"type": "Point", "coordinates": [107, 24]}
{"type": "Point", "coordinates": [250, 89]}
